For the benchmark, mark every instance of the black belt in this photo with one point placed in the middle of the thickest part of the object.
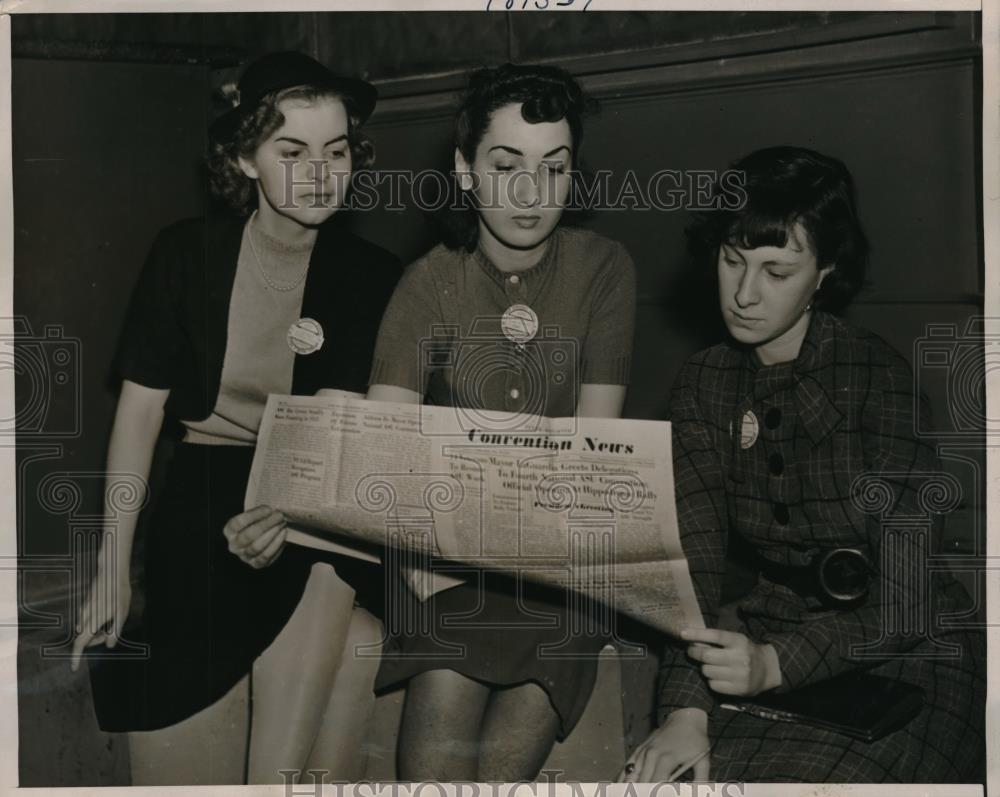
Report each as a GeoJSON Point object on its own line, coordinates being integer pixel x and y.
{"type": "Point", "coordinates": [838, 577]}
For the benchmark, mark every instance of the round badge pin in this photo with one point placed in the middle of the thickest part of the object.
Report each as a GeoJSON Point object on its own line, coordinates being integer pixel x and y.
{"type": "Point", "coordinates": [749, 429]}
{"type": "Point", "coordinates": [519, 323]}
{"type": "Point", "coordinates": [305, 336]}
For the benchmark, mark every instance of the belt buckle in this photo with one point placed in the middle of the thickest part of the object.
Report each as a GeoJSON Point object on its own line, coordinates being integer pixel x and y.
{"type": "Point", "coordinates": [843, 576]}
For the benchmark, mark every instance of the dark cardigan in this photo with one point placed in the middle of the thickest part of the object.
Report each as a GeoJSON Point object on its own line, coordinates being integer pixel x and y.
{"type": "Point", "coordinates": [175, 331]}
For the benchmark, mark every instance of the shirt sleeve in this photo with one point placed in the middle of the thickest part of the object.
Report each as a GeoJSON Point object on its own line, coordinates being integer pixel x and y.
{"type": "Point", "coordinates": [701, 514]}
{"type": "Point", "coordinates": [899, 466]}
{"type": "Point", "coordinates": [150, 346]}
{"type": "Point", "coordinates": [410, 336]}
{"type": "Point", "coordinates": [607, 351]}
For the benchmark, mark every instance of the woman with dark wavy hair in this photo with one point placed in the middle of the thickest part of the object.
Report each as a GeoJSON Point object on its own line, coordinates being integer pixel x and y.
{"type": "Point", "coordinates": [538, 320]}
{"type": "Point", "coordinates": [795, 443]}
{"type": "Point", "coordinates": [276, 297]}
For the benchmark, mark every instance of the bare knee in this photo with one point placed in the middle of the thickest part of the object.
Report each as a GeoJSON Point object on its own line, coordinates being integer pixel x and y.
{"type": "Point", "coordinates": [439, 738]}
{"type": "Point", "coordinates": [309, 647]}
{"type": "Point", "coordinates": [208, 748]}
{"type": "Point", "coordinates": [324, 586]}
{"type": "Point", "coordinates": [509, 755]}
{"type": "Point", "coordinates": [363, 644]}
{"type": "Point", "coordinates": [365, 629]}
{"type": "Point", "coordinates": [444, 692]}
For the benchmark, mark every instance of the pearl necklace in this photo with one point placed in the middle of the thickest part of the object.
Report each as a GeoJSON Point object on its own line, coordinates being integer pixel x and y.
{"type": "Point", "coordinates": [271, 283]}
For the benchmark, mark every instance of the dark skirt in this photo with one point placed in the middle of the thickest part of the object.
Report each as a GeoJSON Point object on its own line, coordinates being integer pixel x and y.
{"type": "Point", "coordinates": [207, 615]}
{"type": "Point", "coordinates": [501, 631]}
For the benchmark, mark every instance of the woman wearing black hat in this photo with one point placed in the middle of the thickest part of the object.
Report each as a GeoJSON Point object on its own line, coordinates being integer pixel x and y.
{"type": "Point", "coordinates": [277, 298]}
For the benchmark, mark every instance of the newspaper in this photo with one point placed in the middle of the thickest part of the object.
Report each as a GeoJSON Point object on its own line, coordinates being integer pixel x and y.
{"type": "Point", "coordinates": [581, 503]}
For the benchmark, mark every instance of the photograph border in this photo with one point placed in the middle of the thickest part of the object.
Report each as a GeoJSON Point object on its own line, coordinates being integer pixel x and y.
{"type": "Point", "coordinates": [991, 236]}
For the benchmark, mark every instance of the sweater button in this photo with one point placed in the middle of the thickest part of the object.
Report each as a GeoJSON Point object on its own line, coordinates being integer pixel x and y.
{"type": "Point", "coordinates": [776, 464]}
{"type": "Point", "coordinates": [772, 419]}
{"type": "Point", "coordinates": [781, 514]}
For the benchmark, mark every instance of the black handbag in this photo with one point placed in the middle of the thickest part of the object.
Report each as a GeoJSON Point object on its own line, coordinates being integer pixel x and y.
{"type": "Point", "coordinates": [856, 704]}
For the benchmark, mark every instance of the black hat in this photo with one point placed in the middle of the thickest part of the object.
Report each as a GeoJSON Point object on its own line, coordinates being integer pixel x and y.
{"type": "Point", "coordinates": [279, 71]}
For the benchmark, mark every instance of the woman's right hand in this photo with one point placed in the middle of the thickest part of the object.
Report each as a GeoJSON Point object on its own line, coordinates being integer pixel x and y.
{"type": "Point", "coordinates": [683, 737]}
{"type": "Point", "coordinates": [105, 609]}
{"type": "Point", "coordinates": [257, 536]}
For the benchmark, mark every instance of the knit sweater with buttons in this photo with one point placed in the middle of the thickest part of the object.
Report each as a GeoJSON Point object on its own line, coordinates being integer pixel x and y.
{"type": "Point", "coordinates": [464, 333]}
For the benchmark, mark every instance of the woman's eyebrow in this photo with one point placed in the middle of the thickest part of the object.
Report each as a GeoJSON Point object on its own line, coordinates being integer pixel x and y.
{"type": "Point", "coordinates": [342, 137]}
{"type": "Point", "coordinates": [514, 151]}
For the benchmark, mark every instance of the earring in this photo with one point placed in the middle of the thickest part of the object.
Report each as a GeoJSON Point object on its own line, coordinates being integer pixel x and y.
{"type": "Point", "coordinates": [812, 300]}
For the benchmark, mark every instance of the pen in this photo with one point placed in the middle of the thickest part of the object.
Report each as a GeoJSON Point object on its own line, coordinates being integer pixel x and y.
{"type": "Point", "coordinates": [760, 711]}
{"type": "Point", "coordinates": [682, 768]}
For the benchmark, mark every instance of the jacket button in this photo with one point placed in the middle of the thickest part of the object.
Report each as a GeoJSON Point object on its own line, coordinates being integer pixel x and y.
{"type": "Point", "coordinates": [776, 463]}
{"type": "Point", "coordinates": [772, 419]}
{"type": "Point", "coordinates": [781, 514]}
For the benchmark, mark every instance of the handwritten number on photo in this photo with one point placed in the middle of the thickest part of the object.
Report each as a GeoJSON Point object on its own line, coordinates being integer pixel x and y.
{"type": "Point", "coordinates": [539, 5]}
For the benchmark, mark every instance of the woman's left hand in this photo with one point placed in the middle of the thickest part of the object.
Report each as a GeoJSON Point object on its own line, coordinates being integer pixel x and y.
{"type": "Point", "coordinates": [732, 663]}
{"type": "Point", "coordinates": [256, 536]}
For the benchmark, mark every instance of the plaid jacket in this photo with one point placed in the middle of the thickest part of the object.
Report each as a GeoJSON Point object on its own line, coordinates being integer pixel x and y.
{"type": "Point", "coordinates": [833, 462]}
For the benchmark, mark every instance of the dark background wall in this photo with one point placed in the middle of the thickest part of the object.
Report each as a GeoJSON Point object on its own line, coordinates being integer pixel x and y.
{"type": "Point", "coordinates": [109, 120]}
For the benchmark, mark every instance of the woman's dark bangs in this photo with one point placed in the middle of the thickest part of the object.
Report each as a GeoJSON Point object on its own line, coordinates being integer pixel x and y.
{"type": "Point", "coordinates": [543, 108]}
{"type": "Point", "coordinates": [752, 229]}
